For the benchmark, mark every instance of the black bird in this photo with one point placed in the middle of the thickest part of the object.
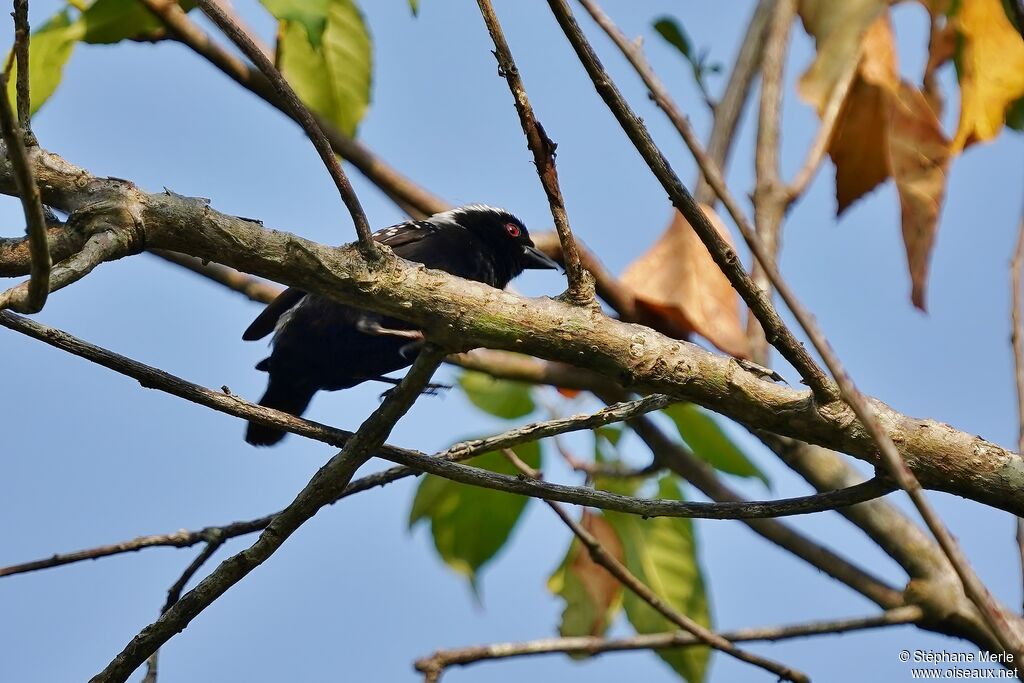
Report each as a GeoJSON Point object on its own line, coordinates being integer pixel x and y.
{"type": "Point", "coordinates": [319, 343]}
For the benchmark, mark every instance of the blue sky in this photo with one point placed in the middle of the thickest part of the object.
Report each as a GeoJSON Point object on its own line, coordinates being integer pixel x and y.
{"type": "Point", "coordinates": [88, 458]}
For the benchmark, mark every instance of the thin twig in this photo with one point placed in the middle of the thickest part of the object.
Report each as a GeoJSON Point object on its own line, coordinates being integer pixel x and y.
{"type": "Point", "coordinates": [22, 38]}
{"type": "Point", "coordinates": [444, 467]}
{"type": "Point", "coordinates": [1017, 342]}
{"type": "Point", "coordinates": [33, 297]}
{"type": "Point", "coordinates": [174, 594]}
{"type": "Point", "coordinates": [458, 452]}
{"type": "Point", "coordinates": [995, 617]}
{"type": "Point", "coordinates": [770, 196]}
{"type": "Point", "coordinates": [303, 116]}
{"type": "Point", "coordinates": [737, 90]}
{"type": "Point", "coordinates": [591, 646]}
{"type": "Point", "coordinates": [407, 194]}
{"type": "Point", "coordinates": [680, 460]}
{"type": "Point", "coordinates": [644, 592]}
{"type": "Point", "coordinates": [722, 253]}
{"type": "Point", "coordinates": [829, 118]}
{"type": "Point", "coordinates": [253, 288]}
{"type": "Point", "coordinates": [326, 485]}
{"type": "Point", "coordinates": [581, 284]}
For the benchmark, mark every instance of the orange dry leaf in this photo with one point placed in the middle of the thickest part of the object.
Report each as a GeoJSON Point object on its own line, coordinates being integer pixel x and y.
{"type": "Point", "coordinates": [889, 128]}
{"type": "Point", "coordinates": [838, 29]}
{"type": "Point", "coordinates": [991, 70]}
{"type": "Point", "coordinates": [858, 143]}
{"type": "Point", "coordinates": [677, 282]}
{"type": "Point", "coordinates": [603, 589]}
{"type": "Point", "coordinates": [919, 154]}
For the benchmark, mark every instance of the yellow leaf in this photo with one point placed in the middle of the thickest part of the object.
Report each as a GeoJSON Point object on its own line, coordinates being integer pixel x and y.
{"type": "Point", "coordinates": [678, 283]}
{"type": "Point", "coordinates": [991, 70]}
{"type": "Point", "coordinates": [838, 29]}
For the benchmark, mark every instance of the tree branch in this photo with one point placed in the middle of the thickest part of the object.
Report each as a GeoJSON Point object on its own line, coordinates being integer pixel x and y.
{"type": "Point", "coordinates": [629, 580]}
{"type": "Point", "coordinates": [581, 285]}
{"type": "Point", "coordinates": [730, 105]}
{"type": "Point", "coordinates": [1017, 344]}
{"type": "Point", "coordinates": [158, 379]}
{"type": "Point", "coordinates": [591, 646]}
{"type": "Point", "coordinates": [22, 37]}
{"type": "Point", "coordinates": [722, 253]}
{"type": "Point", "coordinates": [174, 594]}
{"type": "Point", "coordinates": [303, 116]}
{"type": "Point", "coordinates": [326, 485]}
{"type": "Point", "coordinates": [464, 313]}
{"type": "Point", "coordinates": [407, 194]}
{"type": "Point", "coordinates": [32, 297]}
{"type": "Point", "coordinates": [463, 450]}
{"type": "Point", "coordinates": [994, 615]}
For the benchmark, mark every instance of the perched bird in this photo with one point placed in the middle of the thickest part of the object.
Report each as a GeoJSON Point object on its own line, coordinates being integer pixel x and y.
{"type": "Point", "coordinates": [319, 343]}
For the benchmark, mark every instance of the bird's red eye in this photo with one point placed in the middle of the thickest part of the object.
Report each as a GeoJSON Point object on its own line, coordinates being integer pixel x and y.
{"type": "Point", "coordinates": [512, 229]}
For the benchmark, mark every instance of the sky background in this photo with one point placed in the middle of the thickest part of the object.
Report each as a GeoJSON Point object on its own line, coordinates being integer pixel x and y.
{"type": "Point", "coordinates": [87, 458]}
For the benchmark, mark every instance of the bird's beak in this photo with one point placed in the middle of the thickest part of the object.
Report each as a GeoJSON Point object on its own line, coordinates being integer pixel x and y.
{"type": "Point", "coordinates": [535, 258]}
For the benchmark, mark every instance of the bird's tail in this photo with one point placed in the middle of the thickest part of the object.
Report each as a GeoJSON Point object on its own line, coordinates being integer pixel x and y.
{"type": "Point", "coordinates": [289, 397]}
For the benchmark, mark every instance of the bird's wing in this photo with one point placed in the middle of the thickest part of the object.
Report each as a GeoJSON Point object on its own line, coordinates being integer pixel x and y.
{"type": "Point", "coordinates": [266, 321]}
{"type": "Point", "coordinates": [400, 237]}
{"type": "Point", "coordinates": [406, 239]}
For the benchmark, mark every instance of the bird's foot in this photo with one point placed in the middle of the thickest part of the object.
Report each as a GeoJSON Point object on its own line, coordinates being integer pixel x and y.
{"type": "Point", "coordinates": [431, 389]}
{"type": "Point", "coordinates": [371, 326]}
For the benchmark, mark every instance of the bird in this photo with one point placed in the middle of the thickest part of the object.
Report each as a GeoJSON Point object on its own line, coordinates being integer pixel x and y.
{"type": "Point", "coordinates": [321, 344]}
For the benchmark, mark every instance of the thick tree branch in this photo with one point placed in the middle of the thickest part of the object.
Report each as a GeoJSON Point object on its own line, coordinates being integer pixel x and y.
{"type": "Point", "coordinates": [446, 467]}
{"type": "Point", "coordinates": [472, 314]}
{"type": "Point", "coordinates": [581, 285]}
{"type": "Point", "coordinates": [996, 617]}
{"type": "Point", "coordinates": [326, 485]}
{"type": "Point", "coordinates": [303, 116]}
{"type": "Point", "coordinates": [592, 646]}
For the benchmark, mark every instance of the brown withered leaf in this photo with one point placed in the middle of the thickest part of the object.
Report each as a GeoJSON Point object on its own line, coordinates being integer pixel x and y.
{"type": "Point", "coordinates": [838, 29]}
{"type": "Point", "coordinates": [919, 155]}
{"type": "Point", "coordinates": [603, 588]}
{"type": "Point", "coordinates": [889, 128]}
{"type": "Point", "coordinates": [678, 283]}
{"type": "Point", "coordinates": [858, 146]}
{"type": "Point", "coordinates": [991, 70]}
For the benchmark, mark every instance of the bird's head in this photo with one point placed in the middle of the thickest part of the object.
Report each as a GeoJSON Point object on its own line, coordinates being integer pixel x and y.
{"type": "Point", "coordinates": [500, 230]}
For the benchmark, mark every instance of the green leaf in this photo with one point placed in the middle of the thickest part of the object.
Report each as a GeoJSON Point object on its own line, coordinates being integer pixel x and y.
{"type": "Point", "coordinates": [662, 552]}
{"type": "Point", "coordinates": [331, 75]}
{"type": "Point", "coordinates": [111, 21]}
{"type": "Point", "coordinates": [1015, 115]}
{"type": "Point", "coordinates": [470, 524]}
{"type": "Point", "coordinates": [414, 5]}
{"type": "Point", "coordinates": [499, 397]}
{"type": "Point", "coordinates": [709, 442]}
{"type": "Point", "coordinates": [592, 595]}
{"type": "Point", "coordinates": [310, 14]}
{"type": "Point", "coordinates": [50, 47]}
{"type": "Point", "coordinates": [669, 29]}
